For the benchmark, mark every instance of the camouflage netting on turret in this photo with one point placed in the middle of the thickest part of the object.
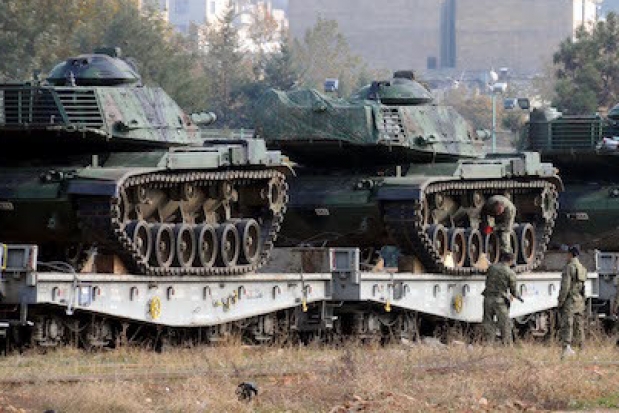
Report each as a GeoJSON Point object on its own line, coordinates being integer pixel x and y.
{"type": "Point", "coordinates": [309, 115]}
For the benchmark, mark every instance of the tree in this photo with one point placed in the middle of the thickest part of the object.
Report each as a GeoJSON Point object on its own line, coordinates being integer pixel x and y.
{"type": "Point", "coordinates": [474, 107]}
{"type": "Point", "coordinates": [325, 53]}
{"type": "Point", "coordinates": [228, 70]}
{"type": "Point", "coordinates": [280, 71]}
{"type": "Point", "coordinates": [588, 68]}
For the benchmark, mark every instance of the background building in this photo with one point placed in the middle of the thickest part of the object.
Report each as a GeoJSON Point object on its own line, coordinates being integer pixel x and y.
{"type": "Point", "coordinates": [184, 13]}
{"type": "Point", "coordinates": [450, 34]}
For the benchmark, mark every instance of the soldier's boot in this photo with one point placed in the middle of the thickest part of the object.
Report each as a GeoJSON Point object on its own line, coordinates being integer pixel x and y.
{"type": "Point", "coordinates": [567, 352]}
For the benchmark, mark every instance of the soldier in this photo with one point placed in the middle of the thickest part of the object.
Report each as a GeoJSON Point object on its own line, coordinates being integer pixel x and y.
{"type": "Point", "coordinates": [504, 213]}
{"type": "Point", "coordinates": [499, 292]}
{"type": "Point", "coordinates": [572, 302]}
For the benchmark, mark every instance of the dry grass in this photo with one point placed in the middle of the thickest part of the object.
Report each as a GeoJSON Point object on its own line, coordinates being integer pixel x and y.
{"type": "Point", "coordinates": [311, 379]}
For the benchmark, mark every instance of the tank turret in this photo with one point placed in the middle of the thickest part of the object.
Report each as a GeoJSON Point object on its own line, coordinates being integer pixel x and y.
{"type": "Point", "coordinates": [92, 102]}
{"type": "Point", "coordinates": [401, 90]}
{"type": "Point", "coordinates": [102, 68]}
{"type": "Point", "coordinates": [386, 122]}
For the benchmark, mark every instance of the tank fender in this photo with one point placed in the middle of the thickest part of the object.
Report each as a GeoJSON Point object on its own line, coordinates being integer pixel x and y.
{"type": "Point", "coordinates": [100, 181]}
{"type": "Point", "coordinates": [399, 193]}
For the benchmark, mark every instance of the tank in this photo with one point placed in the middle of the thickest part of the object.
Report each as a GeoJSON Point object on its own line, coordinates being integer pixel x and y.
{"type": "Point", "coordinates": [390, 167]}
{"type": "Point", "coordinates": [585, 149]}
{"type": "Point", "coordinates": [96, 165]}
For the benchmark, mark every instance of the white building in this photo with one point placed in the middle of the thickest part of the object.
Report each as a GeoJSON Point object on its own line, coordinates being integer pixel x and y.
{"type": "Point", "coordinates": [184, 13]}
{"type": "Point", "coordinates": [256, 15]}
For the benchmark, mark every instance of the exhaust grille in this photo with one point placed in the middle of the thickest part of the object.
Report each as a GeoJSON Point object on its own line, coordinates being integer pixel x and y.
{"type": "Point", "coordinates": [46, 106]}
{"type": "Point", "coordinates": [392, 124]}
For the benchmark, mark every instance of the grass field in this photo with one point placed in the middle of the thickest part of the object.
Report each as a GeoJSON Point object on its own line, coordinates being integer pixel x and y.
{"type": "Point", "coordinates": [351, 378]}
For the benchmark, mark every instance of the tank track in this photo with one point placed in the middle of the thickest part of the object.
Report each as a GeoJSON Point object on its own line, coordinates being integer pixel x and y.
{"type": "Point", "coordinates": [405, 223]}
{"type": "Point", "coordinates": [102, 216]}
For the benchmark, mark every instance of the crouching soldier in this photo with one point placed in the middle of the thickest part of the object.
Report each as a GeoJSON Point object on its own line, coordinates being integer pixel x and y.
{"type": "Point", "coordinates": [504, 212]}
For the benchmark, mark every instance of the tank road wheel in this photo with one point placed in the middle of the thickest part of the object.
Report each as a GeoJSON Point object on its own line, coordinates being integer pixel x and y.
{"type": "Point", "coordinates": [185, 245]}
{"type": "Point", "coordinates": [276, 194]}
{"type": "Point", "coordinates": [527, 242]}
{"type": "Point", "coordinates": [492, 248]}
{"type": "Point", "coordinates": [206, 237]}
{"type": "Point", "coordinates": [164, 246]}
{"type": "Point", "coordinates": [142, 239]}
{"type": "Point", "coordinates": [228, 240]}
{"type": "Point", "coordinates": [250, 248]}
{"type": "Point", "coordinates": [515, 243]}
{"type": "Point", "coordinates": [457, 246]}
{"type": "Point", "coordinates": [477, 199]}
{"type": "Point", "coordinates": [475, 246]}
{"type": "Point", "coordinates": [438, 238]}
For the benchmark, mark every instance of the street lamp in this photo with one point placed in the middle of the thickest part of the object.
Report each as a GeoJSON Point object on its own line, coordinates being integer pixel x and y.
{"type": "Point", "coordinates": [497, 89]}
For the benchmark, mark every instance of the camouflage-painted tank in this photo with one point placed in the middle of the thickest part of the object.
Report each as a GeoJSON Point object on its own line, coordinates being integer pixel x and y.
{"type": "Point", "coordinates": [92, 160]}
{"type": "Point", "coordinates": [586, 151]}
{"type": "Point", "coordinates": [390, 167]}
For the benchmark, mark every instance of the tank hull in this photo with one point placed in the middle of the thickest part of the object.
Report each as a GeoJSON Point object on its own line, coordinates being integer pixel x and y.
{"type": "Point", "coordinates": [589, 216]}
{"type": "Point", "coordinates": [433, 212]}
{"type": "Point", "coordinates": [132, 210]}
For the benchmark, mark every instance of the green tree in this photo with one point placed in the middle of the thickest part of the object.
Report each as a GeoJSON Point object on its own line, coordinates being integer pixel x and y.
{"type": "Point", "coordinates": [228, 71]}
{"type": "Point", "coordinates": [588, 68]}
{"type": "Point", "coordinates": [280, 71]}
{"type": "Point", "coordinates": [324, 53]}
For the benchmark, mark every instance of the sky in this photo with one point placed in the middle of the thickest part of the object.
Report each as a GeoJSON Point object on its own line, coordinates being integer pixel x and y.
{"type": "Point", "coordinates": [280, 4]}
{"type": "Point", "coordinates": [610, 5]}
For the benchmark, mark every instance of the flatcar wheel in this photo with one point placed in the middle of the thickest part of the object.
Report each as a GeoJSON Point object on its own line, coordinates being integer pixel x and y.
{"type": "Point", "coordinates": [206, 239]}
{"type": "Point", "coordinates": [515, 243]}
{"type": "Point", "coordinates": [491, 248]}
{"type": "Point", "coordinates": [527, 241]}
{"type": "Point", "coordinates": [228, 240]}
{"type": "Point", "coordinates": [475, 247]}
{"type": "Point", "coordinates": [457, 246]}
{"type": "Point", "coordinates": [164, 246]}
{"type": "Point", "coordinates": [142, 239]}
{"type": "Point", "coordinates": [438, 238]}
{"type": "Point", "coordinates": [250, 248]}
{"type": "Point", "coordinates": [185, 245]}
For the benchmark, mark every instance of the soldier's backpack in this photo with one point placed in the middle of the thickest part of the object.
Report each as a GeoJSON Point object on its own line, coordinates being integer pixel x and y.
{"type": "Point", "coordinates": [581, 273]}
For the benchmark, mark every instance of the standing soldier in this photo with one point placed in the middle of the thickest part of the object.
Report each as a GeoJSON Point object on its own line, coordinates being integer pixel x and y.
{"type": "Point", "coordinates": [504, 213]}
{"type": "Point", "coordinates": [572, 302]}
{"type": "Point", "coordinates": [500, 291]}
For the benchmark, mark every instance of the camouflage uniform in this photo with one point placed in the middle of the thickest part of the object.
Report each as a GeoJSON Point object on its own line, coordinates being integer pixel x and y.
{"type": "Point", "coordinates": [572, 302]}
{"type": "Point", "coordinates": [500, 286]}
{"type": "Point", "coordinates": [503, 223]}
